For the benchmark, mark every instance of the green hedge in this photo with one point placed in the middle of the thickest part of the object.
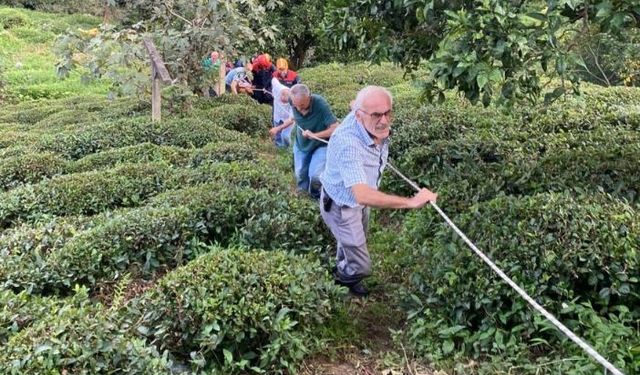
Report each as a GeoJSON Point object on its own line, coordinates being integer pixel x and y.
{"type": "Point", "coordinates": [224, 152]}
{"type": "Point", "coordinates": [25, 248]}
{"type": "Point", "coordinates": [14, 151]}
{"type": "Point", "coordinates": [30, 168]}
{"type": "Point", "coordinates": [256, 174]}
{"type": "Point", "coordinates": [120, 133]}
{"type": "Point", "coordinates": [22, 310]}
{"type": "Point", "coordinates": [140, 153]}
{"type": "Point", "coordinates": [77, 337]}
{"type": "Point", "coordinates": [481, 165]}
{"type": "Point", "coordinates": [49, 255]}
{"type": "Point", "coordinates": [324, 77]}
{"type": "Point", "coordinates": [254, 120]}
{"type": "Point", "coordinates": [41, 114]}
{"type": "Point", "coordinates": [144, 239]}
{"type": "Point", "coordinates": [11, 18]}
{"type": "Point", "coordinates": [85, 193]}
{"type": "Point", "coordinates": [238, 310]}
{"type": "Point", "coordinates": [561, 249]}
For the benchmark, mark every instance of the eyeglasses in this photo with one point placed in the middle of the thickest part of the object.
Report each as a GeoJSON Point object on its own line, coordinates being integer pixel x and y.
{"type": "Point", "coordinates": [377, 116]}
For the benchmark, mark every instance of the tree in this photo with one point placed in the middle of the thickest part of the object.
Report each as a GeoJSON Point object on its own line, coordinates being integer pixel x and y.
{"type": "Point", "coordinates": [184, 31]}
{"type": "Point", "coordinates": [297, 23]}
{"type": "Point", "coordinates": [486, 49]}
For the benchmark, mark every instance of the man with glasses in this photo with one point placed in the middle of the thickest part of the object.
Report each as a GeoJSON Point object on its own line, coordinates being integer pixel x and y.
{"type": "Point", "coordinates": [357, 155]}
{"type": "Point", "coordinates": [314, 118]}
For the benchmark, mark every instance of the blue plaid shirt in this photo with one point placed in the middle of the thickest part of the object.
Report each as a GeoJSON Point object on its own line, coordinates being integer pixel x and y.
{"type": "Point", "coordinates": [352, 158]}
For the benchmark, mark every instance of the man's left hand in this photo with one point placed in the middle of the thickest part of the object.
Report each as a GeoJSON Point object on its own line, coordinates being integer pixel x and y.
{"type": "Point", "coordinates": [307, 134]}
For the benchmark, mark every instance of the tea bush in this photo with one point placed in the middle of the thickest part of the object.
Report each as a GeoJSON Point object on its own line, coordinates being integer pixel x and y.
{"type": "Point", "coordinates": [224, 152]}
{"type": "Point", "coordinates": [140, 153]}
{"type": "Point", "coordinates": [256, 174]}
{"type": "Point", "coordinates": [25, 248]}
{"type": "Point", "coordinates": [84, 193]}
{"type": "Point", "coordinates": [79, 337]}
{"type": "Point", "coordinates": [285, 222]}
{"type": "Point", "coordinates": [30, 168]}
{"type": "Point", "coordinates": [333, 75]}
{"type": "Point", "coordinates": [144, 239]}
{"type": "Point", "coordinates": [234, 310]}
{"type": "Point", "coordinates": [560, 248]}
{"type": "Point", "coordinates": [21, 310]}
{"type": "Point", "coordinates": [255, 120]}
{"type": "Point", "coordinates": [75, 144]}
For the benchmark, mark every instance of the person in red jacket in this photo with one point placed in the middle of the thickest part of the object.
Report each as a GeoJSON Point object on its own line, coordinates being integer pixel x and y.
{"type": "Point", "coordinates": [262, 71]}
{"type": "Point", "coordinates": [285, 75]}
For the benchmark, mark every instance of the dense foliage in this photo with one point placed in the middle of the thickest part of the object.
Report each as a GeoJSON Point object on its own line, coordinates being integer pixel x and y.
{"type": "Point", "coordinates": [192, 254]}
{"type": "Point", "coordinates": [185, 32]}
{"type": "Point", "coordinates": [231, 310]}
{"type": "Point", "coordinates": [486, 49]}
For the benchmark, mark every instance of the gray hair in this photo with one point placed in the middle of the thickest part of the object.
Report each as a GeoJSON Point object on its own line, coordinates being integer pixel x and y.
{"type": "Point", "coordinates": [369, 90]}
{"type": "Point", "coordinates": [300, 91]}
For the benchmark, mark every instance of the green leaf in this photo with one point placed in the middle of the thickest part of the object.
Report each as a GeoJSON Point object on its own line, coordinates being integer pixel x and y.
{"type": "Point", "coordinates": [482, 80]}
{"type": "Point", "coordinates": [447, 347]}
{"type": "Point", "coordinates": [228, 357]}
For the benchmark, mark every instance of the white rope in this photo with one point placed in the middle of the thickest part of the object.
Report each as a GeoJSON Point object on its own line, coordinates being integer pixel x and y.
{"type": "Point", "coordinates": [581, 343]}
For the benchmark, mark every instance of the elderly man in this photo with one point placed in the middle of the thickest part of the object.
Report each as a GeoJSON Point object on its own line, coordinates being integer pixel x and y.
{"type": "Point", "coordinates": [314, 118]}
{"type": "Point", "coordinates": [357, 155]}
{"type": "Point", "coordinates": [282, 115]}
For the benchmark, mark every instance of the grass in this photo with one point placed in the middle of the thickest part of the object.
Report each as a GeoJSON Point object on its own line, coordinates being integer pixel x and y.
{"type": "Point", "coordinates": [27, 39]}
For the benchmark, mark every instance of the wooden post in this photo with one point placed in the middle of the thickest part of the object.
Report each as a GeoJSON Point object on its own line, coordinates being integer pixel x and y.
{"type": "Point", "coordinates": [158, 73]}
{"type": "Point", "coordinates": [221, 76]}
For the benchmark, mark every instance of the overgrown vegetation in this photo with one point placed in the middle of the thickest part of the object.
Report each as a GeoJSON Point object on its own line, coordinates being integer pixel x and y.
{"type": "Point", "coordinates": [179, 246]}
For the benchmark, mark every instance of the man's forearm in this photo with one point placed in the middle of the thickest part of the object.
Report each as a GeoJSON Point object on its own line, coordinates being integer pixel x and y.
{"type": "Point", "coordinates": [378, 199]}
{"type": "Point", "coordinates": [327, 132]}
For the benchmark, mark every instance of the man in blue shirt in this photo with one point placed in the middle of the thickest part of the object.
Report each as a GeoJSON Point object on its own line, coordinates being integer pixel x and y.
{"type": "Point", "coordinates": [314, 118]}
{"type": "Point", "coordinates": [357, 155]}
{"type": "Point", "coordinates": [237, 80]}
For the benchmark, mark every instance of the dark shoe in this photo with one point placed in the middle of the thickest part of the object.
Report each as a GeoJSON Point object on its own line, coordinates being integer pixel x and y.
{"type": "Point", "coordinates": [359, 290]}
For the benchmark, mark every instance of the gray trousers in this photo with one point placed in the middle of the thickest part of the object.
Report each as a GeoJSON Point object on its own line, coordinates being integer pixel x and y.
{"type": "Point", "coordinates": [349, 227]}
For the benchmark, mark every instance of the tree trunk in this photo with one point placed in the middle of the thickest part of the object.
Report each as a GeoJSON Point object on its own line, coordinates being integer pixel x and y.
{"type": "Point", "coordinates": [299, 51]}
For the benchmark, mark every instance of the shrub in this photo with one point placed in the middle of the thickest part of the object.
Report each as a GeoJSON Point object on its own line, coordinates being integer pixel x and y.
{"type": "Point", "coordinates": [10, 152]}
{"type": "Point", "coordinates": [25, 248]}
{"type": "Point", "coordinates": [79, 337]}
{"type": "Point", "coordinates": [224, 152]}
{"type": "Point", "coordinates": [85, 193]}
{"type": "Point", "coordinates": [140, 153]}
{"type": "Point", "coordinates": [254, 121]}
{"type": "Point", "coordinates": [55, 6]}
{"type": "Point", "coordinates": [144, 239]}
{"type": "Point", "coordinates": [27, 113]}
{"type": "Point", "coordinates": [256, 174]}
{"type": "Point", "coordinates": [285, 222]}
{"type": "Point", "coordinates": [596, 162]}
{"type": "Point", "coordinates": [482, 164]}
{"type": "Point", "coordinates": [466, 170]}
{"type": "Point", "coordinates": [233, 310]}
{"type": "Point", "coordinates": [10, 18]}
{"type": "Point", "coordinates": [30, 168]}
{"type": "Point", "coordinates": [206, 104]}
{"type": "Point", "coordinates": [21, 310]}
{"type": "Point", "coordinates": [557, 247]}
{"type": "Point", "coordinates": [78, 143]}
{"type": "Point", "coordinates": [324, 77]}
